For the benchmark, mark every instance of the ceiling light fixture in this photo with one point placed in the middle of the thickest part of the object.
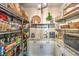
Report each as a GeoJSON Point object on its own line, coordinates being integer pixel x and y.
{"type": "Point", "coordinates": [42, 6]}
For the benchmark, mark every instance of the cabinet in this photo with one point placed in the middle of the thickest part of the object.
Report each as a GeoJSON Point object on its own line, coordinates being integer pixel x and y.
{"type": "Point", "coordinates": [67, 53]}
{"type": "Point", "coordinates": [58, 49]}
{"type": "Point", "coordinates": [61, 51]}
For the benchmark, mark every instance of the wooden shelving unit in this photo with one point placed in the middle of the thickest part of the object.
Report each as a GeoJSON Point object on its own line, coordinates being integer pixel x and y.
{"type": "Point", "coordinates": [16, 17]}
{"type": "Point", "coordinates": [75, 8]}
{"type": "Point", "coordinates": [73, 34]}
{"type": "Point", "coordinates": [57, 20]}
{"type": "Point", "coordinates": [71, 13]}
{"type": "Point", "coordinates": [67, 6]}
{"type": "Point", "coordinates": [9, 12]}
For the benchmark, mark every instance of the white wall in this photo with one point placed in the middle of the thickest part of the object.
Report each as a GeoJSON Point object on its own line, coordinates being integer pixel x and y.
{"type": "Point", "coordinates": [31, 12]}
{"type": "Point", "coordinates": [55, 11]}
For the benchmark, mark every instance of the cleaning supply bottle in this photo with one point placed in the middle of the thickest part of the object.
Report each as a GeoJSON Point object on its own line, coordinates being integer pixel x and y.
{"type": "Point", "coordinates": [1, 48]}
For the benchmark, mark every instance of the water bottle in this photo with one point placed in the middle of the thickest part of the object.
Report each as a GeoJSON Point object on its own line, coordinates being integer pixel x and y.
{"type": "Point", "coordinates": [1, 50]}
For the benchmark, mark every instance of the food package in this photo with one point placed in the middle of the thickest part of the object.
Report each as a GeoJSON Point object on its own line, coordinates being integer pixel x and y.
{"type": "Point", "coordinates": [14, 44]}
{"type": "Point", "coordinates": [18, 40]}
{"type": "Point", "coordinates": [71, 25]}
{"type": "Point", "coordinates": [3, 17]}
{"type": "Point", "coordinates": [15, 7]}
{"type": "Point", "coordinates": [76, 24]}
{"type": "Point", "coordinates": [24, 14]}
{"type": "Point", "coordinates": [9, 53]}
{"type": "Point", "coordinates": [9, 27]}
{"type": "Point", "coordinates": [3, 26]}
{"type": "Point", "coordinates": [11, 6]}
{"type": "Point", "coordinates": [0, 27]}
{"type": "Point", "coordinates": [65, 26]}
{"type": "Point", "coordinates": [18, 9]}
{"type": "Point", "coordinates": [8, 47]}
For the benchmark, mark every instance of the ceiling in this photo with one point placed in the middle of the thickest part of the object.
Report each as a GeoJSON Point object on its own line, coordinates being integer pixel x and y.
{"type": "Point", "coordinates": [28, 5]}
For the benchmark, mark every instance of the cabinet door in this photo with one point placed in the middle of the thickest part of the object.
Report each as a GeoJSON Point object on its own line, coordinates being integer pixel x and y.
{"type": "Point", "coordinates": [66, 53]}
{"type": "Point", "coordinates": [58, 51]}
{"type": "Point", "coordinates": [61, 51]}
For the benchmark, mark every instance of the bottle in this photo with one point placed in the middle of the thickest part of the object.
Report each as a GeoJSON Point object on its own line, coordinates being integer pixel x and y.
{"type": "Point", "coordinates": [7, 39]}
{"type": "Point", "coordinates": [1, 48]}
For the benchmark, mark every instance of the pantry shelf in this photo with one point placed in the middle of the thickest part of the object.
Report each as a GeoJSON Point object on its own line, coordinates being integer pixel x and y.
{"type": "Point", "coordinates": [67, 6]}
{"type": "Point", "coordinates": [9, 32]}
{"type": "Point", "coordinates": [70, 14]}
{"type": "Point", "coordinates": [72, 34]}
{"type": "Point", "coordinates": [12, 29]}
{"type": "Point", "coordinates": [60, 19]}
{"type": "Point", "coordinates": [26, 29]}
{"type": "Point", "coordinates": [75, 8]}
{"type": "Point", "coordinates": [10, 12]}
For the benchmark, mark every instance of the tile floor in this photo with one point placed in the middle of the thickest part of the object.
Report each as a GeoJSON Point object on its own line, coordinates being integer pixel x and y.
{"type": "Point", "coordinates": [40, 48]}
